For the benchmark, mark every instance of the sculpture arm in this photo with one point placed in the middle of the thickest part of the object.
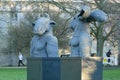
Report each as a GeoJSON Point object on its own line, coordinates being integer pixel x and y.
{"type": "Point", "coordinates": [97, 15]}
{"type": "Point", "coordinates": [52, 46]}
{"type": "Point", "coordinates": [31, 48]}
{"type": "Point", "coordinates": [85, 46]}
{"type": "Point", "coordinates": [74, 41]}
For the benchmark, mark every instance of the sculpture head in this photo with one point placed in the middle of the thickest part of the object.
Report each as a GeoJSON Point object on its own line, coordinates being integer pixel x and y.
{"type": "Point", "coordinates": [84, 12]}
{"type": "Point", "coordinates": [80, 18]}
{"type": "Point", "coordinates": [43, 25]}
{"type": "Point", "coordinates": [86, 16]}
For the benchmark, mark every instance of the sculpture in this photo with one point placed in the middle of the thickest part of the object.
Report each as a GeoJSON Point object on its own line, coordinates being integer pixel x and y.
{"type": "Point", "coordinates": [81, 40]}
{"type": "Point", "coordinates": [44, 44]}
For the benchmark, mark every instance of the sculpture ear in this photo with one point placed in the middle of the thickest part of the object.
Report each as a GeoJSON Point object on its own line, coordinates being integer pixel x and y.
{"type": "Point", "coordinates": [39, 15]}
{"type": "Point", "coordinates": [33, 24]}
{"type": "Point", "coordinates": [52, 23]}
{"type": "Point", "coordinates": [81, 13]}
{"type": "Point", "coordinates": [84, 13]}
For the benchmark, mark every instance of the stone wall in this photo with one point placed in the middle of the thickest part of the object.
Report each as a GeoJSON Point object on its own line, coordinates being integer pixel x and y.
{"type": "Point", "coordinates": [10, 60]}
{"type": "Point", "coordinates": [7, 59]}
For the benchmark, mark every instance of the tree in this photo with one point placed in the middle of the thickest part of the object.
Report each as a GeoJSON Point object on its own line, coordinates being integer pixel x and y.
{"type": "Point", "coordinates": [20, 37]}
{"type": "Point", "coordinates": [97, 29]}
{"type": "Point", "coordinates": [21, 34]}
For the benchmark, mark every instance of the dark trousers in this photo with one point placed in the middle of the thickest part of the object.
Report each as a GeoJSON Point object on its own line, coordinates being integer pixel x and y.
{"type": "Point", "coordinates": [20, 62]}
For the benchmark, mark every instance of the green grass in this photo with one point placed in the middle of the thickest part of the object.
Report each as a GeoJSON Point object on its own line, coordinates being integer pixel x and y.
{"type": "Point", "coordinates": [112, 74]}
{"type": "Point", "coordinates": [13, 74]}
{"type": "Point", "coordinates": [21, 74]}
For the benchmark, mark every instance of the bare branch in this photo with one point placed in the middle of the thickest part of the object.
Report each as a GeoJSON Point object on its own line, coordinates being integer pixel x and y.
{"type": "Point", "coordinates": [111, 31]}
{"type": "Point", "coordinates": [58, 4]}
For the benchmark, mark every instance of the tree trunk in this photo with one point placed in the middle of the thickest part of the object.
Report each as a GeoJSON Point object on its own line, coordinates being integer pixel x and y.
{"type": "Point", "coordinates": [100, 45]}
{"type": "Point", "coordinates": [118, 52]}
{"type": "Point", "coordinates": [100, 40]}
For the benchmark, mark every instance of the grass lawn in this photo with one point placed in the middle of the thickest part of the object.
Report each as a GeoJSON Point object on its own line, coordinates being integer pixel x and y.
{"type": "Point", "coordinates": [21, 74]}
{"type": "Point", "coordinates": [13, 74]}
{"type": "Point", "coordinates": [111, 74]}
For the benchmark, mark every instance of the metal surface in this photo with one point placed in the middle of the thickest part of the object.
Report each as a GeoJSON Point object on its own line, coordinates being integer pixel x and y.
{"type": "Point", "coordinates": [51, 69]}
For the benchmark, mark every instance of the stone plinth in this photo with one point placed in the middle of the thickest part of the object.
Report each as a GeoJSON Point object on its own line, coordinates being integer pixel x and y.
{"type": "Point", "coordinates": [92, 68]}
{"type": "Point", "coordinates": [64, 69]}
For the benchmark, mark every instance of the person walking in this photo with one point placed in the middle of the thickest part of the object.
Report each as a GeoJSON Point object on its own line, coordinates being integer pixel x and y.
{"type": "Point", "coordinates": [20, 59]}
{"type": "Point", "coordinates": [108, 54]}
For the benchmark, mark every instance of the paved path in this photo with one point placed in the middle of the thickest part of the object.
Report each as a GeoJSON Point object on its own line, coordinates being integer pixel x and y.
{"type": "Point", "coordinates": [14, 67]}
{"type": "Point", "coordinates": [111, 67]}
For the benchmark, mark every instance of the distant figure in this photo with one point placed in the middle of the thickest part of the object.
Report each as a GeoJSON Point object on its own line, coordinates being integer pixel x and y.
{"type": "Point", "coordinates": [108, 54]}
{"type": "Point", "coordinates": [119, 59]}
{"type": "Point", "coordinates": [20, 59]}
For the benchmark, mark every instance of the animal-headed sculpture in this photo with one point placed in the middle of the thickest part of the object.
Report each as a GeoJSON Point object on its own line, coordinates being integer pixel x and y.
{"type": "Point", "coordinates": [43, 43]}
{"type": "Point", "coordinates": [81, 40]}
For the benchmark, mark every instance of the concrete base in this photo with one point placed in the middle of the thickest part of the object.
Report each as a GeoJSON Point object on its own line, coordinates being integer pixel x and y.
{"type": "Point", "coordinates": [64, 69]}
{"type": "Point", "coordinates": [92, 68]}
